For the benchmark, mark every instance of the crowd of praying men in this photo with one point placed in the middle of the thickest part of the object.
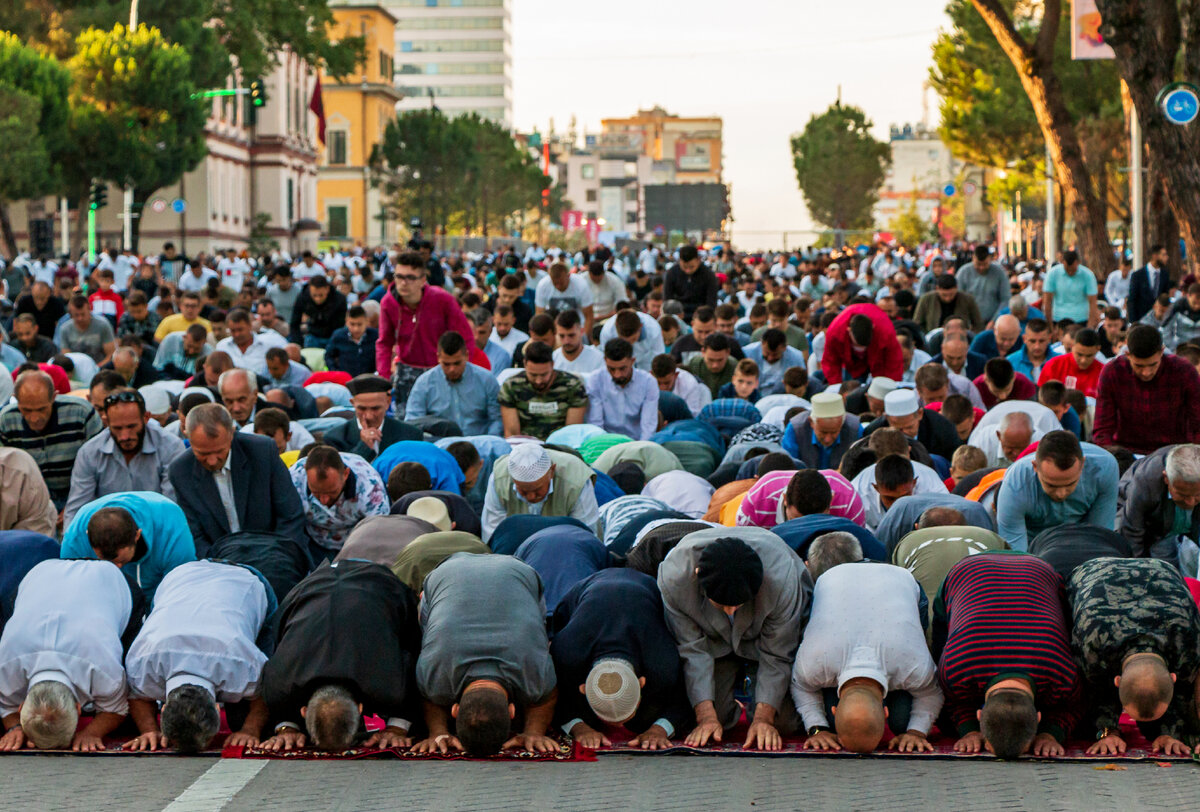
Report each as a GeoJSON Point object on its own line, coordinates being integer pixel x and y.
{"type": "Point", "coordinates": [485, 502]}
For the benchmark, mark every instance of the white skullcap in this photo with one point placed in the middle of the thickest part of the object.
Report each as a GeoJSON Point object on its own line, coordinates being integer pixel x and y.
{"type": "Point", "coordinates": [880, 387]}
{"type": "Point", "coordinates": [432, 510]}
{"type": "Point", "coordinates": [901, 403]}
{"type": "Point", "coordinates": [528, 462]}
{"type": "Point", "coordinates": [827, 404]}
{"type": "Point", "coordinates": [613, 690]}
{"type": "Point", "coordinates": [198, 390]}
{"type": "Point", "coordinates": [157, 399]}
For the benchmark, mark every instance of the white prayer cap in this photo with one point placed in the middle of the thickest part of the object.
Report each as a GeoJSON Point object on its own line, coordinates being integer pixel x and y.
{"type": "Point", "coordinates": [157, 399]}
{"type": "Point", "coordinates": [528, 462]}
{"type": "Point", "coordinates": [432, 510]}
{"type": "Point", "coordinates": [880, 387]}
{"type": "Point", "coordinates": [613, 690]}
{"type": "Point", "coordinates": [827, 404]}
{"type": "Point", "coordinates": [901, 403]}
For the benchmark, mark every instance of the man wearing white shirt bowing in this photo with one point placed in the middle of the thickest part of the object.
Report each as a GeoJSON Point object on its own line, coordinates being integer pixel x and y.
{"type": "Point", "coordinates": [864, 654]}
{"type": "Point", "coordinates": [197, 648]}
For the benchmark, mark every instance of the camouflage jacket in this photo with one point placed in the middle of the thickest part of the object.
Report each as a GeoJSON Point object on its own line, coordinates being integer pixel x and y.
{"type": "Point", "coordinates": [1120, 606]}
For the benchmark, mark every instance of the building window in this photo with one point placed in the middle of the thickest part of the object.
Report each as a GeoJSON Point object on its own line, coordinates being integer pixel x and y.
{"type": "Point", "coordinates": [450, 24]}
{"type": "Point", "coordinates": [386, 67]}
{"type": "Point", "coordinates": [591, 215]}
{"type": "Point", "coordinates": [591, 195]}
{"type": "Point", "coordinates": [291, 202]}
{"type": "Point", "coordinates": [631, 194]}
{"type": "Point", "coordinates": [336, 148]}
{"type": "Point", "coordinates": [587, 171]}
{"type": "Point", "coordinates": [631, 218]}
{"type": "Point", "coordinates": [337, 221]}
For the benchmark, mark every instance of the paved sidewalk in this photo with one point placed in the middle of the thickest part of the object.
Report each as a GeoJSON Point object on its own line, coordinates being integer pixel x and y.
{"type": "Point", "coordinates": [67, 783]}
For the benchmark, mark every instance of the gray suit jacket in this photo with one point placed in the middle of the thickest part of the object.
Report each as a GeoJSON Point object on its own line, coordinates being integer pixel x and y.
{"type": "Point", "coordinates": [766, 630]}
{"type": "Point", "coordinates": [264, 496]}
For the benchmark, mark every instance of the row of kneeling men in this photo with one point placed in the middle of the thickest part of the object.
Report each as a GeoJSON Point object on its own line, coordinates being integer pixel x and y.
{"type": "Point", "coordinates": [459, 652]}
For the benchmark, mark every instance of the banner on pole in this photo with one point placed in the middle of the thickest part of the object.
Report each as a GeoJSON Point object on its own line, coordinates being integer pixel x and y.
{"type": "Point", "coordinates": [1086, 40]}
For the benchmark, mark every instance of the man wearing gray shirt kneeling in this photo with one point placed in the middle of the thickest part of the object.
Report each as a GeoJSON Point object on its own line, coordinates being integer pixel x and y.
{"type": "Point", "coordinates": [484, 655]}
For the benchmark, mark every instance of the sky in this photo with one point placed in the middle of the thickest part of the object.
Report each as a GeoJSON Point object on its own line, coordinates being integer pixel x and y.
{"type": "Point", "coordinates": [764, 66]}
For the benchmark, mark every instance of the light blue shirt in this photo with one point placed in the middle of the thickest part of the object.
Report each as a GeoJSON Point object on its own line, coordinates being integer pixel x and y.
{"type": "Point", "coordinates": [648, 345]}
{"type": "Point", "coordinates": [770, 376]}
{"type": "Point", "coordinates": [1023, 509]}
{"type": "Point", "coordinates": [473, 402]}
{"type": "Point", "coordinates": [500, 358]}
{"type": "Point", "coordinates": [1070, 292]}
{"type": "Point", "coordinates": [631, 410]}
{"type": "Point", "coordinates": [296, 376]}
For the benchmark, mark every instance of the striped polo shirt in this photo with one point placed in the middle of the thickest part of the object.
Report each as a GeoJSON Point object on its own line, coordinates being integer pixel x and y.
{"type": "Point", "coordinates": [72, 423]}
{"type": "Point", "coordinates": [1003, 616]}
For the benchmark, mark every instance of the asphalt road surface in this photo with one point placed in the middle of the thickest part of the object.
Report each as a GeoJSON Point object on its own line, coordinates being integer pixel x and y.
{"type": "Point", "coordinates": [44, 783]}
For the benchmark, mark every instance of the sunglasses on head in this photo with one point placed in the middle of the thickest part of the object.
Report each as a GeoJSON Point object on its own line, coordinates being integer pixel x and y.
{"type": "Point", "coordinates": [123, 397]}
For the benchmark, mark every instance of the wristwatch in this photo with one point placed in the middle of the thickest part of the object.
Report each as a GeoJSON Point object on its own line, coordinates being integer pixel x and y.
{"type": "Point", "coordinates": [815, 729]}
{"type": "Point", "coordinates": [1103, 734]}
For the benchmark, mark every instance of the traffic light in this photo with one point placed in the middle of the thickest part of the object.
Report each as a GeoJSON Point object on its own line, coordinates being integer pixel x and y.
{"type": "Point", "coordinates": [99, 195]}
{"type": "Point", "coordinates": [258, 93]}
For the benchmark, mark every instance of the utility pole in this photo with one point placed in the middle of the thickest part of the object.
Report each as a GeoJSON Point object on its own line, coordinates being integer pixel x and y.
{"type": "Point", "coordinates": [127, 206]}
{"type": "Point", "coordinates": [1135, 188]}
{"type": "Point", "coordinates": [1051, 211]}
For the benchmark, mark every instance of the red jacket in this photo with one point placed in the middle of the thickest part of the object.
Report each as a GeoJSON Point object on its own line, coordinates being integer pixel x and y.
{"type": "Point", "coordinates": [411, 335]}
{"type": "Point", "coordinates": [883, 357]}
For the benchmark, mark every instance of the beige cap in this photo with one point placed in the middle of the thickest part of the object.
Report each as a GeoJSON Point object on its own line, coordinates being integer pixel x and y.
{"type": "Point", "coordinates": [880, 387]}
{"type": "Point", "coordinates": [827, 404]}
{"type": "Point", "coordinates": [432, 510]}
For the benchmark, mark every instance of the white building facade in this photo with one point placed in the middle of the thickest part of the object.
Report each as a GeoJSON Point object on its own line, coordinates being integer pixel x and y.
{"type": "Point", "coordinates": [455, 54]}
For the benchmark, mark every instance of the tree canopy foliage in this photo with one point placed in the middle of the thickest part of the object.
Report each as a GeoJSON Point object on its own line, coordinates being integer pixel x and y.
{"type": "Point", "coordinates": [464, 173]}
{"type": "Point", "coordinates": [840, 167]}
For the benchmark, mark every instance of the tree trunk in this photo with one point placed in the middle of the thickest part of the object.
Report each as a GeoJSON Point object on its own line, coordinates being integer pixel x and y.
{"type": "Point", "coordinates": [1164, 228]}
{"type": "Point", "coordinates": [1145, 36]}
{"type": "Point", "coordinates": [1035, 67]}
{"type": "Point", "coordinates": [79, 235]}
{"type": "Point", "coordinates": [6, 231]}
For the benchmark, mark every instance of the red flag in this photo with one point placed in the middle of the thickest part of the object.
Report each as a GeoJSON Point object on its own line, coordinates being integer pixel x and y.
{"type": "Point", "coordinates": [317, 105]}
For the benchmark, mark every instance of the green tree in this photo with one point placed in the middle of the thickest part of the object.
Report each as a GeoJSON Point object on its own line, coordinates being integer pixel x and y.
{"type": "Point", "coordinates": [135, 120]}
{"type": "Point", "coordinates": [1028, 35]}
{"type": "Point", "coordinates": [840, 167]}
{"type": "Point", "coordinates": [218, 34]}
{"type": "Point", "coordinates": [908, 227]}
{"type": "Point", "coordinates": [34, 90]}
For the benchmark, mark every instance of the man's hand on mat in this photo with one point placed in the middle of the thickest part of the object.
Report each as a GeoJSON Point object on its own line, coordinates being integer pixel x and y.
{"type": "Point", "coordinates": [286, 739]}
{"type": "Point", "coordinates": [1110, 745]}
{"type": "Point", "coordinates": [1046, 745]}
{"type": "Point", "coordinates": [442, 743]}
{"type": "Point", "coordinates": [703, 732]}
{"type": "Point", "coordinates": [241, 739]}
{"type": "Point", "coordinates": [912, 741]}
{"type": "Point", "coordinates": [533, 742]}
{"type": "Point", "coordinates": [763, 736]}
{"type": "Point", "coordinates": [653, 739]}
{"type": "Point", "coordinates": [588, 737]}
{"type": "Point", "coordinates": [970, 743]}
{"type": "Point", "coordinates": [1169, 746]}
{"type": "Point", "coordinates": [388, 737]}
{"type": "Point", "coordinates": [152, 740]}
{"type": "Point", "coordinates": [822, 740]}
{"type": "Point", "coordinates": [14, 740]}
{"type": "Point", "coordinates": [85, 742]}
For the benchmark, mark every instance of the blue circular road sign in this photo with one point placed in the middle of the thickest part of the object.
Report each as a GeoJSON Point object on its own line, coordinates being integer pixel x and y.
{"type": "Point", "coordinates": [179, 205]}
{"type": "Point", "coordinates": [949, 190]}
{"type": "Point", "coordinates": [1179, 103]}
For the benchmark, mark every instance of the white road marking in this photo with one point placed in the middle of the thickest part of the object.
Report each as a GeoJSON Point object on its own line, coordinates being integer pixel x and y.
{"type": "Point", "coordinates": [216, 788]}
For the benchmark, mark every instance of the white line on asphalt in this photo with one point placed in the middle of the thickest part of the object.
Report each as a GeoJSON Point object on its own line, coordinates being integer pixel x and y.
{"type": "Point", "coordinates": [216, 788]}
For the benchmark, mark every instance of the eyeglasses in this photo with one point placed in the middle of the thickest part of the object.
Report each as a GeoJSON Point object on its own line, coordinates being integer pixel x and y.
{"type": "Point", "coordinates": [400, 277]}
{"type": "Point", "coordinates": [128, 396]}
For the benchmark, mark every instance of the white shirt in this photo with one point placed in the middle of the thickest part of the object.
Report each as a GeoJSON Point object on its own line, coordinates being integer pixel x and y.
{"type": "Point", "coordinates": [683, 491]}
{"type": "Point", "coordinates": [695, 394]}
{"type": "Point", "coordinates": [1042, 416]}
{"type": "Point", "coordinates": [577, 296]}
{"type": "Point", "coordinates": [1116, 289]}
{"type": "Point", "coordinates": [233, 272]}
{"type": "Point", "coordinates": [587, 362]}
{"type": "Point", "coordinates": [66, 626]}
{"type": "Point", "coordinates": [511, 341]}
{"type": "Point", "coordinates": [123, 268]}
{"type": "Point", "coordinates": [988, 441]}
{"type": "Point", "coordinates": [202, 630]}
{"type": "Point", "coordinates": [927, 482]}
{"type": "Point", "coordinates": [648, 260]}
{"type": "Point", "coordinates": [190, 282]}
{"type": "Point", "coordinates": [254, 357]}
{"type": "Point", "coordinates": [648, 345]}
{"type": "Point", "coordinates": [865, 622]}
{"type": "Point", "coordinates": [224, 480]}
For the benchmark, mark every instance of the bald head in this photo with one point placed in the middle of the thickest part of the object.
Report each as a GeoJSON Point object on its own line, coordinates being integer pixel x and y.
{"type": "Point", "coordinates": [941, 517]}
{"type": "Point", "coordinates": [859, 719]}
{"type": "Point", "coordinates": [1146, 687]}
{"type": "Point", "coordinates": [1007, 332]}
{"type": "Point", "coordinates": [1015, 433]}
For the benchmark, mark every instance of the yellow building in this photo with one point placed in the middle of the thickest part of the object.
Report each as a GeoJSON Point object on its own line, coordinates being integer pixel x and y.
{"type": "Point", "coordinates": [692, 145]}
{"type": "Point", "coordinates": [357, 111]}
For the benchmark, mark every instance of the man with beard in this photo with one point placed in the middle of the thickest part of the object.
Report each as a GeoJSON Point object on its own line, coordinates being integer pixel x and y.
{"type": "Point", "coordinates": [621, 399]}
{"type": "Point", "coordinates": [132, 454]}
{"type": "Point", "coordinates": [457, 390]}
{"type": "Point", "coordinates": [541, 400]}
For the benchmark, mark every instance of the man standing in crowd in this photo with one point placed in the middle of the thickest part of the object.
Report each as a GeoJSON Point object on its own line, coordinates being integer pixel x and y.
{"type": "Point", "coordinates": [690, 282]}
